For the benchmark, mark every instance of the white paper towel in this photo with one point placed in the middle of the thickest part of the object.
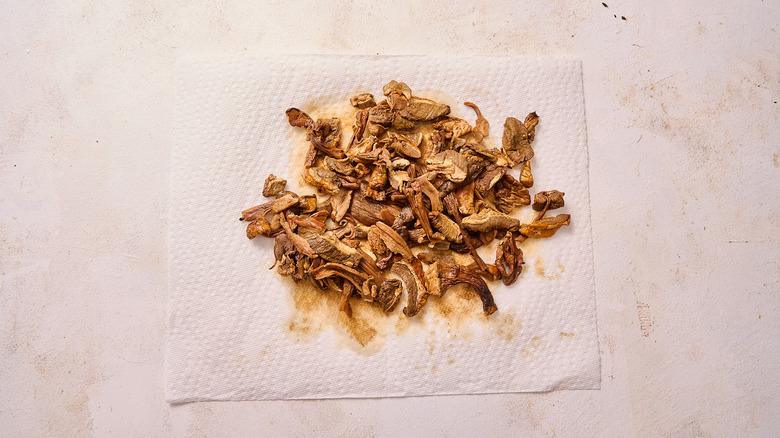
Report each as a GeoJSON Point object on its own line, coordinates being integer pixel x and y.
{"type": "Point", "coordinates": [237, 331]}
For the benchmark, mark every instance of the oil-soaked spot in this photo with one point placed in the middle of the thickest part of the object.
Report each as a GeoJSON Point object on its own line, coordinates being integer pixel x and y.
{"type": "Point", "coordinates": [567, 335]}
{"type": "Point", "coordinates": [506, 326]}
{"type": "Point", "coordinates": [315, 311]}
{"type": "Point", "coordinates": [542, 271]}
{"type": "Point", "coordinates": [459, 307]}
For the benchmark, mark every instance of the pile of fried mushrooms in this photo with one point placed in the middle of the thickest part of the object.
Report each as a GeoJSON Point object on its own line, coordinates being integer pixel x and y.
{"type": "Point", "coordinates": [412, 187]}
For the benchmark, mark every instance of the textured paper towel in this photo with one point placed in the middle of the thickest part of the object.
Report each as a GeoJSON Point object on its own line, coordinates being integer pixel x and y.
{"type": "Point", "coordinates": [236, 332]}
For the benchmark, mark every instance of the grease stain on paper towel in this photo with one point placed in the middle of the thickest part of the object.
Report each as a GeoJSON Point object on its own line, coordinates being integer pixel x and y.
{"type": "Point", "coordinates": [316, 310]}
{"type": "Point", "coordinates": [541, 269]}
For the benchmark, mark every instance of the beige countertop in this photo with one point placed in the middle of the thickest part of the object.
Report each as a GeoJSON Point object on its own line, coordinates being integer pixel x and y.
{"type": "Point", "coordinates": [683, 127]}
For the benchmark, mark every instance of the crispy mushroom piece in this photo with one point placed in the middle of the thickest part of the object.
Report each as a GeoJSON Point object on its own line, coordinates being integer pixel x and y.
{"type": "Point", "coordinates": [340, 203]}
{"type": "Point", "coordinates": [347, 289]}
{"type": "Point", "coordinates": [510, 194]}
{"type": "Point", "coordinates": [450, 275]}
{"type": "Point", "coordinates": [330, 248]}
{"type": "Point", "coordinates": [420, 109]}
{"type": "Point", "coordinates": [273, 185]}
{"type": "Point", "coordinates": [299, 119]}
{"type": "Point", "coordinates": [454, 126]}
{"type": "Point", "coordinates": [393, 241]}
{"type": "Point", "coordinates": [509, 259]}
{"type": "Point", "coordinates": [381, 114]}
{"type": "Point", "coordinates": [526, 177]}
{"type": "Point", "coordinates": [358, 129]}
{"type": "Point", "coordinates": [398, 95]}
{"type": "Point", "coordinates": [488, 178]}
{"type": "Point", "coordinates": [446, 226]}
{"type": "Point", "coordinates": [545, 227]}
{"type": "Point", "coordinates": [416, 294]}
{"type": "Point", "coordinates": [369, 212]}
{"type": "Point", "coordinates": [388, 295]}
{"type": "Point", "coordinates": [339, 166]}
{"type": "Point", "coordinates": [338, 270]}
{"type": "Point", "coordinates": [451, 164]}
{"type": "Point", "coordinates": [550, 200]}
{"type": "Point", "coordinates": [488, 220]}
{"type": "Point", "coordinates": [362, 101]}
{"type": "Point", "coordinates": [481, 126]}
{"type": "Point", "coordinates": [516, 142]}
{"type": "Point", "coordinates": [323, 179]}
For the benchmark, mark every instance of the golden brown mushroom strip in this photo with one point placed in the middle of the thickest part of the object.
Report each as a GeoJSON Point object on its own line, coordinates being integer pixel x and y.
{"type": "Point", "coordinates": [416, 294]}
{"type": "Point", "coordinates": [454, 274]}
{"type": "Point", "coordinates": [482, 126]}
{"type": "Point", "coordinates": [394, 241]}
{"type": "Point", "coordinates": [545, 227]}
{"type": "Point", "coordinates": [344, 306]}
{"type": "Point", "coordinates": [335, 269]}
{"type": "Point", "coordinates": [509, 259]}
{"type": "Point", "coordinates": [300, 243]}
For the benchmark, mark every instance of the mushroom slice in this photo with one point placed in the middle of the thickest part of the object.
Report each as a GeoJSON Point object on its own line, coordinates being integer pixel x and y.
{"type": "Point", "coordinates": [452, 274]}
{"type": "Point", "coordinates": [393, 241]}
{"type": "Point", "coordinates": [388, 295]}
{"type": "Point", "coordinates": [398, 94]}
{"type": "Point", "coordinates": [404, 146]}
{"type": "Point", "coordinates": [526, 177]}
{"type": "Point", "coordinates": [481, 126]}
{"type": "Point", "coordinates": [551, 200]}
{"type": "Point", "coordinates": [339, 166]}
{"type": "Point", "coordinates": [420, 109]}
{"type": "Point", "coordinates": [340, 203]}
{"type": "Point", "coordinates": [381, 114]}
{"type": "Point", "coordinates": [432, 280]}
{"type": "Point", "coordinates": [509, 259]}
{"type": "Point", "coordinates": [323, 179]}
{"type": "Point", "coordinates": [273, 185]}
{"type": "Point", "coordinates": [516, 142]}
{"type": "Point", "coordinates": [489, 220]}
{"type": "Point", "coordinates": [531, 120]}
{"type": "Point", "coordinates": [449, 163]}
{"type": "Point", "coordinates": [346, 291]}
{"type": "Point", "coordinates": [446, 226]}
{"type": "Point", "coordinates": [424, 186]}
{"type": "Point", "coordinates": [545, 227]}
{"type": "Point", "coordinates": [416, 294]}
{"type": "Point", "coordinates": [465, 196]}
{"type": "Point", "coordinates": [362, 101]}
{"type": "Point", "coordinates": [369, 212]}
{"type": "Point", "coordinates": [359, 128]}
{"type": "Point", "coordinates": [299, 119]}
{"type": "Point", "coordinates": [488, 178]}
{"type": "Point", "coordinates": [510, 193]}
{"type": "Point", "coordinates": [328, 270]}
{"type": "Point", "coordinates": [330, 248]}
{"type": "Point", "coordinates": [455, 126]}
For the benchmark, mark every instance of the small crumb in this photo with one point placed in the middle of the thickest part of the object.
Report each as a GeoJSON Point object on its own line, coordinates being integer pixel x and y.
{"type": "Point", "coordinates": [622, 17]}
{"type": "Point", "coordinates": [604, 4]}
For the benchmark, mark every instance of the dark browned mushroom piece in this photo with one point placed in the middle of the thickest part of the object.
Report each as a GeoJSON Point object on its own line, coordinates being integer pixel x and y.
{"type": "Point", "coordinates": [509, 259]}
{"type": "Point", "coordinates": [450, 275]}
